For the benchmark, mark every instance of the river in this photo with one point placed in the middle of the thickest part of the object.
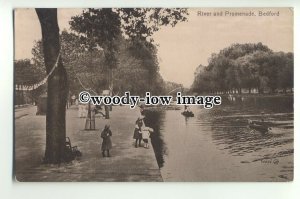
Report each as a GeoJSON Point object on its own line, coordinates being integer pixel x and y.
{"type": "Point", "coordinates": [218, 145]}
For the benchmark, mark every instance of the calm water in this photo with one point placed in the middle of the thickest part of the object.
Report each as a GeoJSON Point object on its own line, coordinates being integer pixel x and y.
{"type": "Point", "coordinates": [217, 145]}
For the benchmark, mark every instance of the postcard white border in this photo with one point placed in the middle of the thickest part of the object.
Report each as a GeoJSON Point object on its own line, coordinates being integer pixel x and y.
{"type": "Point", "coordinates": [10, 189]}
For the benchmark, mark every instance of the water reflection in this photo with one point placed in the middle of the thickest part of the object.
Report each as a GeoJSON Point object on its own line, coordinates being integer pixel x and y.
{"type": "Point", "coordinates": [217, 145]}
{"type": "Point", "coordinates": [233, 133]}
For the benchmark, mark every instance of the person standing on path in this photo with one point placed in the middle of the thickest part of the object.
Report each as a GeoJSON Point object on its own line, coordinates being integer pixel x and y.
{"type": "Point", "coordinates": [106, 141]}
{"type": "Point", "coordinates": [137, 134]}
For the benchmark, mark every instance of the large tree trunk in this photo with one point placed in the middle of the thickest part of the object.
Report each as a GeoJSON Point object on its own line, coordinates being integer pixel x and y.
{"type": "Point", "coordinates": [57, 88]}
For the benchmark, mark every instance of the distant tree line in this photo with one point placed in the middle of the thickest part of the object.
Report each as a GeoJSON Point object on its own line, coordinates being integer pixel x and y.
{"type": "Point", "coordinates": [245, 66]}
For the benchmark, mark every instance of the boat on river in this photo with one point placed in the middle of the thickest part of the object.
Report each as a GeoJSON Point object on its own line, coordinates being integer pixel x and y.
{"type": "Point", "coordinates": [260, 126]}
{"type": "Point", "coordinates": [188, 113]}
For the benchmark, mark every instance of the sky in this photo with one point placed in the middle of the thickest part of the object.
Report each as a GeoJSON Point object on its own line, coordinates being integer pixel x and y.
{"type": "Point", "coordinates": [187, 45]}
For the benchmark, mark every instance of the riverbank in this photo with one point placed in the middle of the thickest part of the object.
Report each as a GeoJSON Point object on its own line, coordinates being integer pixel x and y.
{"type": "Point", "coordinates": [260, 94]}
{"type": "Point", "coordinates": [126, 164]}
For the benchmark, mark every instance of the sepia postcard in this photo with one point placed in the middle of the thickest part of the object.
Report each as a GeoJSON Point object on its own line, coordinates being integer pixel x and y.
{"type": "Point", "coordinates": [154, 94]}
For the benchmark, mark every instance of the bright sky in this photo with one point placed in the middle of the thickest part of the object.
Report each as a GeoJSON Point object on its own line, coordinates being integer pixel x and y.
{"type": "Point", "coordinates": [182, 48]}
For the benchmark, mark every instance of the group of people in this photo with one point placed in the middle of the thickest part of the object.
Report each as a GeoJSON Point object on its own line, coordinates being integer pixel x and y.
{"type": "Point", "coordinates": [141, 132]}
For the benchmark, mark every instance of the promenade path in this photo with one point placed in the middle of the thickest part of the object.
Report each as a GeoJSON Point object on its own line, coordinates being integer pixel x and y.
{"type": "Point", "coordinates": [126, 164]}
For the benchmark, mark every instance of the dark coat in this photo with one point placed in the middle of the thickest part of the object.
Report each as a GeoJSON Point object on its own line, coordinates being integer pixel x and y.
{"type": "Point", "coordinates": [136, 132]}
{"type": "Point", "coordinates": [106, 143]}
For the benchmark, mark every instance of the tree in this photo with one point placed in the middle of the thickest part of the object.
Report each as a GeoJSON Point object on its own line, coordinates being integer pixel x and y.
{"type": "Point", "coordinates": [80, 64]}
{"type": "Point", "coordinates": [141, 23]}
{"type": "Point", "coordinates": [245, 66]}
{"type": "Point", "coordinates": [100, 27]}
{"type": "Point", "coordinates": [249, 77]}
{"type": "Point", "coordinates": [106, 27]}
{"type": "Point", "coordinates": [138, 69]}
{"type": "Point", "coordinates": [57, 88]}
{"type": "Point", "coordinates": [286, 73]}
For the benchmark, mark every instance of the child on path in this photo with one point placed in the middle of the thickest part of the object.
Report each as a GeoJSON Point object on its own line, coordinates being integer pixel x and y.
{"type": "Point", "coordinates": [146, 135]}
{"type": "Point", "coordinates": [137, 134]}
